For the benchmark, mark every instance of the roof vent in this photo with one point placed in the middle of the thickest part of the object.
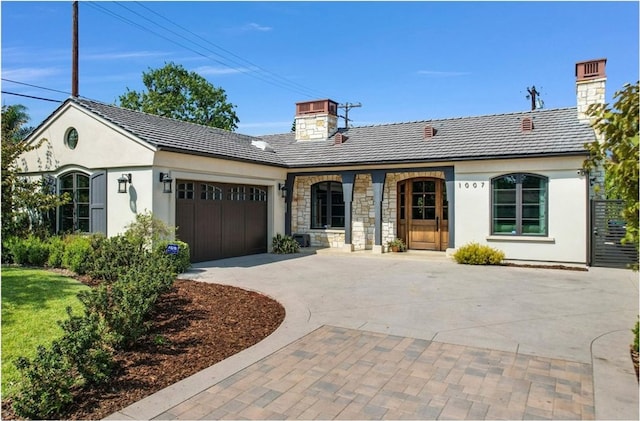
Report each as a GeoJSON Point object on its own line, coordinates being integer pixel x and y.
{"type": "Point", "coordinates": [339, 139]}
{"type": "Point", "coordinates": [526, 124]}
{"type": "Point", "coordinates": [429, 132]}
{"type": "Point", "coordinates": [261, 144]}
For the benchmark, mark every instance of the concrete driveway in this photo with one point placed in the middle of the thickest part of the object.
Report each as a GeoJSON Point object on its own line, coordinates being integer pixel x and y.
{"type": "Point", "coordinates": [414, 335]}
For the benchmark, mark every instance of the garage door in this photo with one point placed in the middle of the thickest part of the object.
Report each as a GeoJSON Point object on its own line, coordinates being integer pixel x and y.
{"type": "Point", "coordinates": [221, 220]}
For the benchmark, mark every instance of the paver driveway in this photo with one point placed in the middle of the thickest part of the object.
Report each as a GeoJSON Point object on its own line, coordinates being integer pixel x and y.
{"type": "Point", "coordinates": [417, 336]}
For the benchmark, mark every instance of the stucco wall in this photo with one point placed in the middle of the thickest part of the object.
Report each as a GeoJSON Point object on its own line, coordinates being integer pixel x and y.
{"type": "Point", "coordinates": [567, 215]}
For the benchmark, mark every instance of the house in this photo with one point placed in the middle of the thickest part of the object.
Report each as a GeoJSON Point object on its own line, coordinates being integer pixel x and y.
{"type": "Point", "coordinates": [513, 181]}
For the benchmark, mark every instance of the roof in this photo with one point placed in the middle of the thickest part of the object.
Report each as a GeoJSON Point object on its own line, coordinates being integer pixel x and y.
{"type": "Point", "coordinates": [181, 136]}
{"type": "Point", "coordinates": [556, 132]}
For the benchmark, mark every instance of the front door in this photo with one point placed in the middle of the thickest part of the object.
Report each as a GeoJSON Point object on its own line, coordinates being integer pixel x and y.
{"type": "Point", "coordinates": [423, 211]}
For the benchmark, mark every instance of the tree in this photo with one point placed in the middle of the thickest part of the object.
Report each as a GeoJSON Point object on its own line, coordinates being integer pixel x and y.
{"type": "Point", "coordinates": [617, 153]}
{"type": "Point", "coordinates": [26, 203]}
{"type": "Point", "coordinates": [174, 92]}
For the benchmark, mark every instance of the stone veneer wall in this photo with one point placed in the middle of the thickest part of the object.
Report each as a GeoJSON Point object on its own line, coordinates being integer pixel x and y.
{"type": "Point", "coordinates": [363, 212]}
{"type": "Point", "coordinates": [301, 211]}
{"type": "Point", "coordinates": [587, 93]}
{"type": "Point", "coordinates": [363, 225]}
{"type": "Point", "coordinates": [592, 92]}
{"type": "Point", "coordinates": [316, 127]}
{"type": "Point", "coordinates": [390, 202]}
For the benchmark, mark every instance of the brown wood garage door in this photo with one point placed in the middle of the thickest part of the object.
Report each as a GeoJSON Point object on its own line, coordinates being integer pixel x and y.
{"type": "Point", "coordinates": [221, 220]}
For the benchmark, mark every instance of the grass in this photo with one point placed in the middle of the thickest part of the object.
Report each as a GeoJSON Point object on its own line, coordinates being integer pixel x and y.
{"type": "Point", "coordinates": [33, 301]}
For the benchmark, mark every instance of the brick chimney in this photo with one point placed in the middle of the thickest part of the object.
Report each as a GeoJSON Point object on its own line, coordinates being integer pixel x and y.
{"type": "Point", "coordinates": [316, 120]}
{"type": "Point", "coordinates": [590, 84]}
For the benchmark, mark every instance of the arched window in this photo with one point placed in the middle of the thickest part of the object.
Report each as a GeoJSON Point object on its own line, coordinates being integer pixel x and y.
{"type": "Point", "coordinates": [519, 204]}
{"type": "Point", "coordinates": [327, 205]}
{"type": "Point", "coordinates": [74, 216]}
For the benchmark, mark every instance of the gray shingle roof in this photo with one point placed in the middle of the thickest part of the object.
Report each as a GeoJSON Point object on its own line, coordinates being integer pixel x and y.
{"type": "Point", "coordinates": [556, 132]}
{"type": "Point", "coordinates": [180, 136]}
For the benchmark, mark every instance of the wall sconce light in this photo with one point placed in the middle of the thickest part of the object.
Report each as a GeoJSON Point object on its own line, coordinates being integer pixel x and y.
{"type": "Point", "coordinates": [122, 182]}
{"type": "Point", "coordinates": [166, 181]}
{"type": "Point", "coordinates": [283, 189]}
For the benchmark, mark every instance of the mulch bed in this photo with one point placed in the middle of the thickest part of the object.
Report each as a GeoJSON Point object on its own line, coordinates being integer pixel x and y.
{"type": "Point", "coordinates": [196, 325]}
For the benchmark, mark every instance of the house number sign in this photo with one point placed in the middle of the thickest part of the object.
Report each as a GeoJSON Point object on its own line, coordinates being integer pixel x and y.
{"type": "Point", "coordinates": [473, 185]}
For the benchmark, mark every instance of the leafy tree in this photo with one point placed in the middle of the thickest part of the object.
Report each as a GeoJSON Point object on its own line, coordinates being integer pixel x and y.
{"type": "Point", "coordinates": [26, 203]}
{"type": "Point", "coordinates": [618, 152]}
{"type": "Point", "coordinates": [174, 92]}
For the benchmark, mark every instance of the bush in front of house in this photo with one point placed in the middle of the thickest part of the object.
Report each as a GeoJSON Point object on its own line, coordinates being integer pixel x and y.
{"type": "Point", "coordinates": [113, 256]}
{"type": "Point", "coordinates": [56, 251]}
{"type": "Point", "coordinates": [78, 252]}
{"type": "Point", "coordinates": [29, 251]}
{"type": "Point", "coordinates": [181, 261]}
{"type": "Point", "coordinates": [284, 244]}
{"type": "Point", "coordinates": [477, 254]}
{"type": "Point", "coordinates": [116, 315]}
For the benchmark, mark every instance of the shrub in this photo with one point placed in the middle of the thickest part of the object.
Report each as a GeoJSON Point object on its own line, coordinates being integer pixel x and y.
{"type": "Point", "coordinates": [125, 305]}
{"type": "Point", "coordinates": [45, 389]}
{"type": "Point", "coordinates": [147, 231]}
{"type": "Point", "coordinates": [476, 254]}
{"type": "Point", "coordinates": [113, 256]}
{"type": "Point", "coordinates": [77, 254]}
{"type": "Point", "coordinates": [28, 251]}
{"type": "Point", "coordinates": [179, 262]}
{"type": "Point", "coordinates": [284, 244]}
{"type": "Point", "coordinates": [56, 251]}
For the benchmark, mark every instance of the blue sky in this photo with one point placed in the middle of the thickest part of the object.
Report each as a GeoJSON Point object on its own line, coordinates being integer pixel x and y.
{"type": "Point", "coordinates": [404, 61]}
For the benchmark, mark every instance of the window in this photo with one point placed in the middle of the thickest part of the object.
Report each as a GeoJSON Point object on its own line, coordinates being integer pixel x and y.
{"type": "Point", "coordinates": [186, 191]}
{"type": "Point", "coordinates": [74, 216]}
{"type": "Point", "coordinates": [257, 194]}
{"type": "Point", "coordinates": [210, 192]}
{"type": "Point", "coordinates": [327, 205]}
{"type": "Point", "coordinates": [519, 205]}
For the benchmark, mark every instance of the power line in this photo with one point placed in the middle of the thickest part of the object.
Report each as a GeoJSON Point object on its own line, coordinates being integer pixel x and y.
{"type": "Point", "coordinates": [36, 86]}
{"type": "Point", "coordinates": [230, 52]}
{"type": "Point", "coordinates": [31, 96]}
{"type": "Point", "coordinates": [143, 28]}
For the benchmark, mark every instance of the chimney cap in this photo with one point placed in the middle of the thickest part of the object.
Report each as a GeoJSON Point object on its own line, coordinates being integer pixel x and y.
{"type": "Point", "coordinates": [591, 69]}
{"type": "Point", "coordinates": [319, 106]}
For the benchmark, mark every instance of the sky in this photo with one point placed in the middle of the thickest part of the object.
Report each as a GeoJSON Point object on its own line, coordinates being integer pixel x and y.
{"type": "Point", "coordinates": [402, 61]}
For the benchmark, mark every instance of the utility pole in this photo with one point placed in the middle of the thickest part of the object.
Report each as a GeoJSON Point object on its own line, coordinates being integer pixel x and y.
{"type": "Point", "coordinates": [347, 106]}
{"type": "Point", "coordinates": [74, 51]}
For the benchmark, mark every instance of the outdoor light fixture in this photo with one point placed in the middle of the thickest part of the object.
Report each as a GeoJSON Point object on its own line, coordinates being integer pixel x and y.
{"type": "Point", "coordinates": [166, 181]}
{"type": "Point", "coordinates": [283, 189]}
{"type": "Point", "coordinates": [122, 182]}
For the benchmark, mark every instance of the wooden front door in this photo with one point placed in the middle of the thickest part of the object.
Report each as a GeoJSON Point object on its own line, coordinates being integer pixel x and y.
{"type": "Point", "coordinates": [423, 211]}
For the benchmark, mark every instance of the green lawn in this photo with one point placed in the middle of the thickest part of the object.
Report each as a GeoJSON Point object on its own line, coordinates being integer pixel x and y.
{"type": "Point", "coordinates": [32, 303]}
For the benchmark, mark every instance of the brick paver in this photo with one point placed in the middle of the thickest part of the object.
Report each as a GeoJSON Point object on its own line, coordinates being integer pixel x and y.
{"type": "Point", "coordinates": [337, 373]}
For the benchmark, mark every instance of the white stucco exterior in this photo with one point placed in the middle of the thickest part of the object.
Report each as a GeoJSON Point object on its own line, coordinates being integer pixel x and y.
{"type": "Point", "coordinates": [103, 146]}
{"type": "Point", "coordinates": [567, 208]}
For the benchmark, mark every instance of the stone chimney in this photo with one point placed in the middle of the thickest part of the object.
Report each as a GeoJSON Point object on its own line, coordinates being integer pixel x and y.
{"type": "Point", "coordinates": [316, 120]}
{"type": "Point", "coordinates": [590, 84]}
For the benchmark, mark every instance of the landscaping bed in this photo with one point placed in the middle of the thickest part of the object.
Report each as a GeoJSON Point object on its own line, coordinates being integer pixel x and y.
{"type": "Point", "coordinates": [195, 326]}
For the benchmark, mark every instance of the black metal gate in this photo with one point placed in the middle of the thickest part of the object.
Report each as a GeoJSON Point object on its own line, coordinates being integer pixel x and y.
{"type": "Point", "coordinates": [607, 229]}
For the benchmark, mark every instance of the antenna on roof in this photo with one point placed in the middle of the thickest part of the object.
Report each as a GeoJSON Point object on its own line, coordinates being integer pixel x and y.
{"type": "Point", "coordinates": [347, 106]}
{"type": "Point", "coordinates": [536, 101]}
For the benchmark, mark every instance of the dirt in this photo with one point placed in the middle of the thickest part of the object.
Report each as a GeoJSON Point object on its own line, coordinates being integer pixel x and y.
{"type": "Point", "coordinates": [195, 326]}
